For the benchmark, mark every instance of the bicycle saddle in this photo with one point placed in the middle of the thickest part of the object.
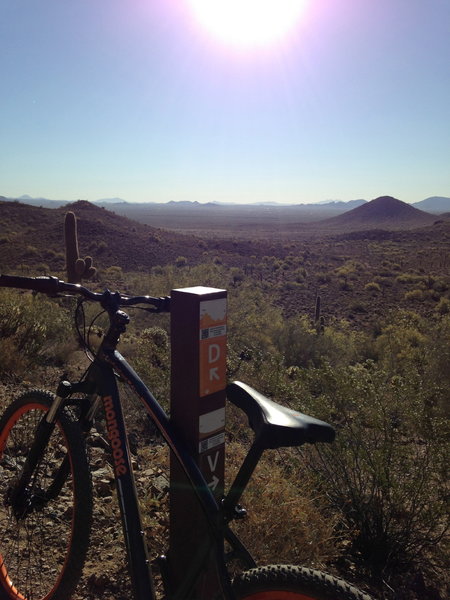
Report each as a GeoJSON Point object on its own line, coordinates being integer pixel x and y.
{"type": "Point", "coordinates": [274, 425]}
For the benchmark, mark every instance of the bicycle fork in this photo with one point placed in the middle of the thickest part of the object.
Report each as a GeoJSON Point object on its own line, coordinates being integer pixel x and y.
{"type": "Point", "coordinates": [22, 497]}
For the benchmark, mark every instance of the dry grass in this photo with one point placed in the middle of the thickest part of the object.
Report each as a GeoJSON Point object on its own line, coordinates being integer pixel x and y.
{"type": "Point", "coordinates": [286, 522]}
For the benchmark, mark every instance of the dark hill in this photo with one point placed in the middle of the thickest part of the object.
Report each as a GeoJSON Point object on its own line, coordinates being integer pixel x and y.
{"type": "Point", "coordinates": [31, 235]}
{"type": "Point", "coordinates": [384, 212]}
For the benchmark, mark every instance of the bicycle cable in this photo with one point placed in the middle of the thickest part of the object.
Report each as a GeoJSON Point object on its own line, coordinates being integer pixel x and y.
{"type": "Point", "coordinates": [83, 331]}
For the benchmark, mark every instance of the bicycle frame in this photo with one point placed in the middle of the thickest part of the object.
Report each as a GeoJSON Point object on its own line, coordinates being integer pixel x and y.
{"type": "Point", "coordinates": [102, 375]}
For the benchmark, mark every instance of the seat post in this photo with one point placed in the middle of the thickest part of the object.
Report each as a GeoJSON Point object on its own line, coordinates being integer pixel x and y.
{"type": "Point", "coordinates": [241, 480]}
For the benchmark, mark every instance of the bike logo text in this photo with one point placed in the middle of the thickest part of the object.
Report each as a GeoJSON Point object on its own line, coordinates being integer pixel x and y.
{"type": "Point", "coordinates": [120, 467]}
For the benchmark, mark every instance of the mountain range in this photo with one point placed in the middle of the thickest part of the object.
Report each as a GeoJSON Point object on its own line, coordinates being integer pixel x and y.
{"type": "Point", "coordinates": [433, 204]}
{"type": "Point", "coordinates": [32, 236]}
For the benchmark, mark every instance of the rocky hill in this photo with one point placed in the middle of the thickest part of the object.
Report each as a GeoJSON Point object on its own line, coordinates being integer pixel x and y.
{"type": "Point", "coordinates": [31, 235]}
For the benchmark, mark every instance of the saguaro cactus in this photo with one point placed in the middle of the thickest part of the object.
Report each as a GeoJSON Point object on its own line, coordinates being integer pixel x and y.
{"type": "Point", "coordinates": [77, 268]}
{"type": "Point", "coordinates": [318, 319]}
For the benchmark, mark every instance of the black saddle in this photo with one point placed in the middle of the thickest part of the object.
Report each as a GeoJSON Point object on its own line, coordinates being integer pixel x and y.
{"type": "Point", "coordinates": [274, 425]}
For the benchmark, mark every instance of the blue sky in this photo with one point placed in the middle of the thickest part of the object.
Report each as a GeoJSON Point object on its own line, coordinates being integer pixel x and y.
{"type": "Point", "coordinates": [137, 99]}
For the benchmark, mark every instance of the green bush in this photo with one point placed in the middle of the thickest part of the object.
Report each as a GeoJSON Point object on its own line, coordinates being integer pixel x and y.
{"type": "Point", "coordinates": [181, 261]}
{"type": "Point", "coordinates": [373, 286]}
{"type": "Point", "coordinates": [32, 329]}
{"type": "Point", "coordinates": [443, 306]}
{"type": "Point", "coordinates": [152, 362]}
{"type": "Point", "coordinates": [302, 345]}
{"type": "Point", "coordinates": [416, 295]}
{"type": "Point", "coordinates": [386, 472]}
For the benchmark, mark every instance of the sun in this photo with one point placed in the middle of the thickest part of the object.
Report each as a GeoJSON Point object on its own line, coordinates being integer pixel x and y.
{"type": "Point", "coordinates": [248, 23]}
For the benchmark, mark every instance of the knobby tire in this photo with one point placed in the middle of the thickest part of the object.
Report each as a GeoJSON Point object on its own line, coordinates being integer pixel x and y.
{"type": "Point", "coordinates": [287, 582]}
{"type": "Point", "coordinates": [42, 553]}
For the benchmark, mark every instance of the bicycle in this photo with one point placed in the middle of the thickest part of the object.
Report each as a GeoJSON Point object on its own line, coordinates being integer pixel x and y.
{"type": "Point", "coordinates": [46, 506]}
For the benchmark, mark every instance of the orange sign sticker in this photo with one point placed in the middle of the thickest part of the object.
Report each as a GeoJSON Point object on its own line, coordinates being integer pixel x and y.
{"type": "Point", "coordinates": [213, 345]}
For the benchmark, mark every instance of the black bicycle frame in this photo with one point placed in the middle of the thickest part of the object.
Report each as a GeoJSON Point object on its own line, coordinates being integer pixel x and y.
{"type": "Point", "coordinates": [102, 373]}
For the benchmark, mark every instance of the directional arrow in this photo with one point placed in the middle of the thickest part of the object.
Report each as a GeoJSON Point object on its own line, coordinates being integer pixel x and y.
{"type": "Point", "coordinates": [213, 484]}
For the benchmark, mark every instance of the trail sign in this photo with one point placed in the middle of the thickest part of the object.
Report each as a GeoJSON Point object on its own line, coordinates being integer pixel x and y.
{"type": "Point", "coordinates": [198, 381]}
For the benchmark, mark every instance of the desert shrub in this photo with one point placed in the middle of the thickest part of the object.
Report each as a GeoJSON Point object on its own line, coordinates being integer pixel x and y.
{"type": "Point", "coordinates": [359, 307]}
{"type": "Point", "coordinates": [350, 269]}
{"type": "Point", "coordinates": [402, 343]}
{"type": "Point", "coordinates": [386, 472]}
{"type": "Point", "coordinates": [439, 284]}
{"type": "Point", "coordinates": [253, 322]}
{"type": "Point", "coordinates": [436, 358]}
{"type": "Point", "coordinates": [386, 272]}
{"type": "Point", "coordinates": [407, 278]}
{"type": "Point", "coordinates": [383, 282]}
{"type": "Point", "coordinates": [152, 361]}
{"type": "Point", "coordinates": [181, 261]}
{"type": "Point", "coordinates": [323, 277]}
{"type": "Point", "coordinates": [99, 247]}
{"type": "Point", "coordinates": [345, 285]}
{"type": "Point", "coordinates": [237, 276]}
{"type": "Point", "coordinates": [372, 286]}
{"type": "Point", "coordinates": [32, 329]}
{"type": "Point", "coordinates": [416, 295]}
{"type": "Point", "coordinates": [31, 252]}
{"type": "Point", "coordinates": [293, 286]}
{"type": "Point", "coordinates": [443, 306]}
{"type": "Point", "coordinates": [276, 265]}
{"type": "Point", "coordinates": [301, 344]}
{"type": "Point", "coordinates": [299, 275]}
{"type": "Point", "coordinates": [112, 277]}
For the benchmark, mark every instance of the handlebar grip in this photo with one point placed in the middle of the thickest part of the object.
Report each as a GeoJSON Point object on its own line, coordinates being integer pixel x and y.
{"type": "Point", "coordinates": [46, 285]}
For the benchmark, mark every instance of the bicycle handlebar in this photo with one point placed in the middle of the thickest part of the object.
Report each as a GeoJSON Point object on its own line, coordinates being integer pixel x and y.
{"type": "Point", "coordinates": [53, 286]}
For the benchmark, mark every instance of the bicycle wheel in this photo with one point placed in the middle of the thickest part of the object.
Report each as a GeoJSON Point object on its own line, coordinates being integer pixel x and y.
{"type": "Point", "coordinates": [43, 545]}
{"type": "Point", "coordinates": [286, 582]}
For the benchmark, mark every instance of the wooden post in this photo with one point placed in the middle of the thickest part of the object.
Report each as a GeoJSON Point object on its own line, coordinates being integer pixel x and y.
{"type": "Point", "coordinates": [198, 381]}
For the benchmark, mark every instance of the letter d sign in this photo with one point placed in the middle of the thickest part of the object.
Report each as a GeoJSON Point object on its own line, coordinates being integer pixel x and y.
{"type": "Point", "coordinates": [213, 339]}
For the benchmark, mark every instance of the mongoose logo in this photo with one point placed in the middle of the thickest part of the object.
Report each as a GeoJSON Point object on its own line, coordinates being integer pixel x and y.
{"type": "Point", "coordinates": [120, 467]}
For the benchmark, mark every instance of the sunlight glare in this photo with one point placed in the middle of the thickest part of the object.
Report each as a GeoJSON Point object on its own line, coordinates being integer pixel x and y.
{"type": "Point", "coordinates": [248, 23]}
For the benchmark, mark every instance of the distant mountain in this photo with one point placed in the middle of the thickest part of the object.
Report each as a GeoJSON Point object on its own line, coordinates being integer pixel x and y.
{"type": "Point", "coordinates": [384, 212]}
{"type": "Point", "coordinates": [47, 203]}
{"type": "Point", "coordinates": [44, 202]}
{"type": "Point", "coordinates": [434, 204]}
{"type": "Point", "coordinates": [110, 201]}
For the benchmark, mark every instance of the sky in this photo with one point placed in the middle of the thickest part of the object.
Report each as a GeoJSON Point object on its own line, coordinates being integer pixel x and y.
{"type": "Point", "coordinates": [147, 100]}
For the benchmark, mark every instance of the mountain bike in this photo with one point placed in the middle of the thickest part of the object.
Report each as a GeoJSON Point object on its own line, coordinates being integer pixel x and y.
{"type": "Point", "coordinates": [46, 498]}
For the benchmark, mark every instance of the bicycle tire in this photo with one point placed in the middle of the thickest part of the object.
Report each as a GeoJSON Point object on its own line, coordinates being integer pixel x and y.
{"type": "Point", "coordinates": [42, 553]}
{"type": "Point", "coordinates": [288, 582]}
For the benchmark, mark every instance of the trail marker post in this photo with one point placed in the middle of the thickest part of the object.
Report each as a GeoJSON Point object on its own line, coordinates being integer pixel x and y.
{"type": "Point", "coordinates": [198, 381]}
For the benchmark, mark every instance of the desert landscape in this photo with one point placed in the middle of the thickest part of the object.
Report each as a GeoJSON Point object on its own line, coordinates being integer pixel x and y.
{"type": "Point", "coordinates": [346, 318]}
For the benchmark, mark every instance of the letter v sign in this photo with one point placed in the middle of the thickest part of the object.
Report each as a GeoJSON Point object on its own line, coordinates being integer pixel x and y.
{"type": "Point", "coordinates": [212, 462]}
